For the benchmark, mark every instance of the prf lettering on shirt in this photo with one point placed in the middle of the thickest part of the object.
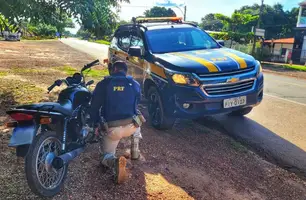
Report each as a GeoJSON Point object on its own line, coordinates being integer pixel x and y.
{"type": "Point", "coordinates": [118, 89]}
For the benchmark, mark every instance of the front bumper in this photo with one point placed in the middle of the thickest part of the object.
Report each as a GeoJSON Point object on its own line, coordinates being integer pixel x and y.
{"type": "Point", "coordinates": [202, 104]}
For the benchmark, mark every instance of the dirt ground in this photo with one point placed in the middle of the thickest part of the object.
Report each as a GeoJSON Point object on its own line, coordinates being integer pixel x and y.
{"type": "Point", "coordinates": [189, 162]}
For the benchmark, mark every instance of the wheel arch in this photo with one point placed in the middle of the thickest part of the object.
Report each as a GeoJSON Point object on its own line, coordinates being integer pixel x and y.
{"type": "Point", "coordinates": [147, 85]}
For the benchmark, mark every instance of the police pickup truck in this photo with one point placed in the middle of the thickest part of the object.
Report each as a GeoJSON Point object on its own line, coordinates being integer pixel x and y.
{"type": "Point", "coordinates": [184, 72]}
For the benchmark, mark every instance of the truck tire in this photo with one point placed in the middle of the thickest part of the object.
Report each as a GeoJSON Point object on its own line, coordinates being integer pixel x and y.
{"type": "Point", "coordinates": [242, 112]}
{"type": "Point", "coordinates": [34, 171]}
{"type": "Point", "coordinates": [156, 111]}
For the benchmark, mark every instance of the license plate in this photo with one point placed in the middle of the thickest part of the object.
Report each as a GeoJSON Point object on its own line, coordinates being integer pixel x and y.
{"type": "Point", "coordinates": [235, 102]}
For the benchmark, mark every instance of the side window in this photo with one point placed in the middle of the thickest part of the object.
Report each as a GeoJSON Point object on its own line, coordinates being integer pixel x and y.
{"type": "Point", "coordinates": [136, 40]}
{"type": "Point", "coordinates": [114, 43]}
{"type": "Point", "coordinates": [181, 38]}
{"type": "Point", "coordinates": [124, 40]}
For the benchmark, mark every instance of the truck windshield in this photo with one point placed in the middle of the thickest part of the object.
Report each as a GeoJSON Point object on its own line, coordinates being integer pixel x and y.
{"type": "Point", "coordinates": [179, 39]}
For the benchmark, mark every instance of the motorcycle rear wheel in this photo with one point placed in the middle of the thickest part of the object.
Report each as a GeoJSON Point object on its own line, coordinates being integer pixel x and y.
{"type": "Point", "coordinates": [40, 181]}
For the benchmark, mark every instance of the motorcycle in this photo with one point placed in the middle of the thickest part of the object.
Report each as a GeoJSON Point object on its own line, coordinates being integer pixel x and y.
{"type": "Point", "coordinates": [51, 134]}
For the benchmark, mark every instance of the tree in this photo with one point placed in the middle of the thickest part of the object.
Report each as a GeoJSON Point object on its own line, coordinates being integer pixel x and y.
{"type": "Point", "coordinates": [211, 23]}
{"type": "Point", "coordinates": [95, 15]}
{"type": "Point", "coordinates": [159, 12]}
{"type": "Point", "coordinates": [235, 21]}
{"type": "Point", "coordinates": [277, 22]}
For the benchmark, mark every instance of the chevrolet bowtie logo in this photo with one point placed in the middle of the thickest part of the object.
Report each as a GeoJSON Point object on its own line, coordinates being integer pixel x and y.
{"type": "Point", "coordinates": [232, 80]}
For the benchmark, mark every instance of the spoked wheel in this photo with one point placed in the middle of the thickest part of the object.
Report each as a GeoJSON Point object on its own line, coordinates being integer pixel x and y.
{"type": "Point", "coordinates": [156, 111]}
{"type": "Point", "coordinates": [43, 179]}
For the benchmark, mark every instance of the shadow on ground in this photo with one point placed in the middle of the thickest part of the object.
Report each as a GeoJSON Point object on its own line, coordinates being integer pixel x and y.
{"type": "Point", "coordinates": [261, 140]}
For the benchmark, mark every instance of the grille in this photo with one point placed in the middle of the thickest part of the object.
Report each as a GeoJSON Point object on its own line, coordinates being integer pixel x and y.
{"type": "Point", "coordinates": [229, 73]}
{"type": "Point", "coordinates": [229, 88]}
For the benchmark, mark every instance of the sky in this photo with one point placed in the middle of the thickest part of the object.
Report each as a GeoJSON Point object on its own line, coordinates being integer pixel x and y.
{"type": "Point", "coordinates": [196, 9]}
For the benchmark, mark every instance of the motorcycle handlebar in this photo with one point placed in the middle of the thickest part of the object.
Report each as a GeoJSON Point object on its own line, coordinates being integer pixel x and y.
{"type": "Point", "coordinates": [51, 87]}
{"type": "Point", "coordinates": [90, 64]}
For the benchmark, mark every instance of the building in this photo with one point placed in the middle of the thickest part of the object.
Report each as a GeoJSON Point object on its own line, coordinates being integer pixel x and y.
{"type": "Point", "coordinates": [299, 46]}
{"type": "Point", "coordinates": [280, 50]}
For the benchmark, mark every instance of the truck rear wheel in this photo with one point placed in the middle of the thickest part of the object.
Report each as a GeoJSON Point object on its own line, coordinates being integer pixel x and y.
{"type": "Point", "coordinates": [242, 112]}
{"type": "Point", "coordinates": [156, 111]}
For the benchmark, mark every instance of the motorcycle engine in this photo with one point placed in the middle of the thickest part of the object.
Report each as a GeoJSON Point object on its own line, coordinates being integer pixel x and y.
{"type": "Point", "coordinates": [80, 129]}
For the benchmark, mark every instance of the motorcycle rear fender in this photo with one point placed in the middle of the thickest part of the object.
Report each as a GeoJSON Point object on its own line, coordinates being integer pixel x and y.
{"type": "Point", "coordinates": [23, 134]}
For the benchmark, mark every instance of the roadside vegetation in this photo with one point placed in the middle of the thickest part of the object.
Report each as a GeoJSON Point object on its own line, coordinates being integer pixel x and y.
{"type": "Point", "coordinates": [101, 42]}
{"type": "Point", "coordinates": [286, 66]}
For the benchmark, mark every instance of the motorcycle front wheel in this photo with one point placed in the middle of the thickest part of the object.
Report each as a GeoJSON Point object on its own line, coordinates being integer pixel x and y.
{"type": "Point", "coordinates": [41, 180]}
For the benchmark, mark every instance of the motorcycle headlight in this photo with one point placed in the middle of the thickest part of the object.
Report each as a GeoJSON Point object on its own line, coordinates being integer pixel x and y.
{"type": "Point", "coordinates": [184, 79]}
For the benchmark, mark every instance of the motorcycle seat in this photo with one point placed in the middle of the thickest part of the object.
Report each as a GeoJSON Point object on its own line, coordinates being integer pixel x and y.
{"type": "Point", "coordinates": [64, 108]}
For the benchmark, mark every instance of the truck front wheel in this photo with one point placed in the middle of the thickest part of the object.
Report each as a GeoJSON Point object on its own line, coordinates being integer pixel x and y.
{"type": "Point", "coordinates": [156, 111]}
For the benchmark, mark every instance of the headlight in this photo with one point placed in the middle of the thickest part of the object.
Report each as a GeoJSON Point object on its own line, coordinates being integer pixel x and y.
{"type": "Point", "coordinates": [184, 79]}
{"type": "Point", "coordinates": [259, 68]}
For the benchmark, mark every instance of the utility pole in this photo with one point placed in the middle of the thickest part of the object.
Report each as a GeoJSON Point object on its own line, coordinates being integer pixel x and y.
{"type": "Point", "coordinates": [258, 25]}
{"type": "Point", "coordinates": [185, 10]}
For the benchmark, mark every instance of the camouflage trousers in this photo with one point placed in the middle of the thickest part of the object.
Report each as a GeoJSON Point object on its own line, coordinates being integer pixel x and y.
{"type": "Point", "coordinates": [111, 139]}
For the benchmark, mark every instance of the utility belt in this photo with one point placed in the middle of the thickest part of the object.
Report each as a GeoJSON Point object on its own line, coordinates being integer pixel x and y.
{"type": "Point", "coordinates": [137, 120]}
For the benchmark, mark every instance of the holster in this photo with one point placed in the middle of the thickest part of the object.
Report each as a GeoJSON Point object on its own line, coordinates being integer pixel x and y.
{"type": "Point", "coordinates": [136, 120]}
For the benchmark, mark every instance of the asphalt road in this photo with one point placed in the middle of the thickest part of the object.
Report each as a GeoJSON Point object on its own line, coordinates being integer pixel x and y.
{"type": "Point", "coordinates": [276, 128]}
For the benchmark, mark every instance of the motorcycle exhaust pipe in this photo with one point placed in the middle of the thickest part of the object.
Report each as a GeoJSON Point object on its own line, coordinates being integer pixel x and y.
{"type": "Point", "coordinates": [59, 161]}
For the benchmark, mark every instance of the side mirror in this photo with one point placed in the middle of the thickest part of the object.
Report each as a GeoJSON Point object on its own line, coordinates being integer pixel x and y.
{"type": "Point", "coordinates": [135, 51]}
{"type": "Point", "coordinates": [221, 42]}
{"type": "Point", "coordinates": [90, 82]}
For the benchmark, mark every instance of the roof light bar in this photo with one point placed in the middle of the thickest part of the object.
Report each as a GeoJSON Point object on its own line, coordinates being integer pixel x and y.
{"type": "Point", "coordinates": [158, 19]}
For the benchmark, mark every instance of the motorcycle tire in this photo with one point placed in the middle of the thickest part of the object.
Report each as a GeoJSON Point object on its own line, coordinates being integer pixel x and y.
{"type": "Point", "coordinates": [31, 166]}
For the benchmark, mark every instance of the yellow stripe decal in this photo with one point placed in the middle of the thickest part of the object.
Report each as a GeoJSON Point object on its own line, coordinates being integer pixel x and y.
{"type": "Point", "coordinates": [158, 70]}
{"type": "Point", "coordinates": [209, 65]}
{"type": "Point", "coordinates": [240, 60]}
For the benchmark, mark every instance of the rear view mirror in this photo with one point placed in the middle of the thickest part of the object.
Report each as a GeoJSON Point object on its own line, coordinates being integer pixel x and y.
{"type": "Point", "coordinates": [221, 42]}
{"type": "Point", "coordinates": [135, 51]}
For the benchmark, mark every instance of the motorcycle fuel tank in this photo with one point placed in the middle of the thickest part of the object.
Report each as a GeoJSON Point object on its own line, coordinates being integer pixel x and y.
{"type": "Point", "coordinates": [78, 95]}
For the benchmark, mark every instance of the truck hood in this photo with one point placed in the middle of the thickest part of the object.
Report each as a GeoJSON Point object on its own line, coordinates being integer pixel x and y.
{"type": "Point", "coordinates": [206, 61]}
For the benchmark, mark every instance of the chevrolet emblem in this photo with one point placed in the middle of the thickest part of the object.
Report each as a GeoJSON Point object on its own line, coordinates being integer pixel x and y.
{"type": "Point", "coordinates": [232, 80]}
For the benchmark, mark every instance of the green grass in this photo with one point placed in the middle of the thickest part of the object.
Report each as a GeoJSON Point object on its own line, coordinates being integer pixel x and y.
{"type": "Point", "coordinates": [297, 67]}
{"type": "Point", "coordinates": [67, 69]}
{"type": "Point", "coordinates": [19, 92]}
{"type": "Point", "coordinates": [100, 42]}
{"type": "Point", "coordinates": [3, 73]}
{"type": "Point", "coordinates": [288, 66]}
{"type": "Point", "coordinates": [94, 73]}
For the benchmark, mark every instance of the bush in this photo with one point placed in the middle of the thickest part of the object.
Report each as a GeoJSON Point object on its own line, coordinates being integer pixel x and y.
{"type": "Point", "coordinates": [101, 42]}
{"type": "Point", "coordinates": [42, 30]}
{"type": "Point", "coordinates": [237, 37]}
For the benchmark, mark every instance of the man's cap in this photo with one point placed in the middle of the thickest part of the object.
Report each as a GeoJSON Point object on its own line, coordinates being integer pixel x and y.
{"type": "Point", "coordinates": [120, 65]}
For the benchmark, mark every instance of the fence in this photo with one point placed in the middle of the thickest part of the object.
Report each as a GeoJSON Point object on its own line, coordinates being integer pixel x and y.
{"type": "Point", "coordinates": [265, 53]}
